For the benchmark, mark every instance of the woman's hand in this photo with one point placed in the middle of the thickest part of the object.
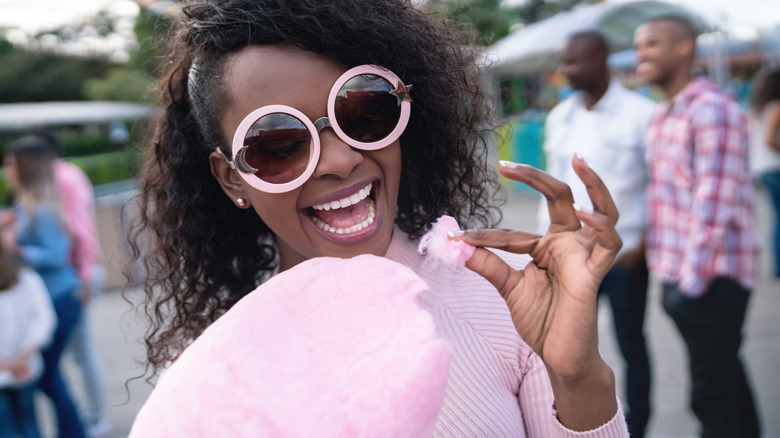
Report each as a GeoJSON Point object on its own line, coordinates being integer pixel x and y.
{"type": "Point", "coordinates": [553, 301]}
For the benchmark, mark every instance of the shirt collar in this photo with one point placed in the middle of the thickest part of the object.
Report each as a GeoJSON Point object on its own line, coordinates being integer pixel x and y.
{"type": "Point", "coordinates": [607, 101]}
{"type": "Point", "coordinates": [692, 89]}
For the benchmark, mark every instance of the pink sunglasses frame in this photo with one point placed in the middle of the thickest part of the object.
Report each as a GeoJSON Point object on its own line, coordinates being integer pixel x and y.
{"type": "Point", "coordinates": [246, 171]}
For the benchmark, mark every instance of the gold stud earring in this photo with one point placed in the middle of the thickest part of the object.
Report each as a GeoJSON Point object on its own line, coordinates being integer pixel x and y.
{"type": "Point", "coordinates": [240, 202]}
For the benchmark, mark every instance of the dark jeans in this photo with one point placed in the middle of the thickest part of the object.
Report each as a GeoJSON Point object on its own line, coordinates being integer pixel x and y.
{"type": "Point", "coordinates": [68, 310]}
{"type": "Point", "coordinates": [627, 292]}
{"type": "Point", "coordinates": [711, 327]}
{"type": "Point", "coordinates": [17, 412]}
{"type": "Point", "coordinates": [771, 181]}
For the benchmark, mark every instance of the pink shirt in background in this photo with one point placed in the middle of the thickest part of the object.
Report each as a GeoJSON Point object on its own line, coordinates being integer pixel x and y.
{"type": "Point", "coordinates": [78, 204]}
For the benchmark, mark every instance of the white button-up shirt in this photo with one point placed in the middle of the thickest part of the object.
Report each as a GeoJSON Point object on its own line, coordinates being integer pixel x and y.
{"type": "Point", "coordinates": [610, 137]}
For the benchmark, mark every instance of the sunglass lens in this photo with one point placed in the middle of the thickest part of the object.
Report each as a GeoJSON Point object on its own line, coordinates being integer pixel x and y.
{"type": "Point", "coordinates": [279, 146]}
{"type": "Point", "coordinates": [365, 110]}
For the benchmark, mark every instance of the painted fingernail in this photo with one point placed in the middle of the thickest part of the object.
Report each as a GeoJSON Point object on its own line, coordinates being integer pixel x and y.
{"type": "Point", "coordinates": [454, 234]}
{"type": "Point", "coordinates": [579, 157]}
{"type": "Point", "coordinates": [511, 165]}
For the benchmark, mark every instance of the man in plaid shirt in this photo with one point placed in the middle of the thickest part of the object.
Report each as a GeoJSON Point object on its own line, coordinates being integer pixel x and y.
{"type": "Point", "coordinates": [700, 238]}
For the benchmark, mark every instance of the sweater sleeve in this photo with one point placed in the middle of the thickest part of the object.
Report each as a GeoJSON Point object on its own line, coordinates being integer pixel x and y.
{"type": "Point", "coordinates": [42, 319]}
{"type": "Point", "coordinates": [49, 245]}
{"type": "Point", "coordinates": [538, 407]}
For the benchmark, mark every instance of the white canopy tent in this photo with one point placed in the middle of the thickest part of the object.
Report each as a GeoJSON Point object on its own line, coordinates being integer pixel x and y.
{"type": "Point", "coordinates": [535, 48]}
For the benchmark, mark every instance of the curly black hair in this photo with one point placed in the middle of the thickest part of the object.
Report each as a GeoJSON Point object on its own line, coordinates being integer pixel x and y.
{"type": "Point", "coordinates": [200, 252]}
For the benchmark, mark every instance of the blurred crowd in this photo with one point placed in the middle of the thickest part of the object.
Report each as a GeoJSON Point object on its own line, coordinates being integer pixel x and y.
{"type": "Point", "coordinates": [50, 267]}
{"type": "Point", "coordinates": [682, 172]}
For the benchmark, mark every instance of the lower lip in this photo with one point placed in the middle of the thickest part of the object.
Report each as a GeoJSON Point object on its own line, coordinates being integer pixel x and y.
{"type": "Point", "coordinates": [361, 236]}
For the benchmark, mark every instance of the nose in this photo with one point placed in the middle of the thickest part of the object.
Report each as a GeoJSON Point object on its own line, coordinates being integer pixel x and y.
{"type": "Point", "coordinates": [337, 158]}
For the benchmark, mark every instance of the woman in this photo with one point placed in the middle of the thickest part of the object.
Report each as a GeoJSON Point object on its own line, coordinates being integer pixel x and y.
{"type": "Point", "coordinates": [765, 145]}
{"type": "Point", "coordinates": [41, 242]}
{"type": "Point", "coordinates": [301, 129]}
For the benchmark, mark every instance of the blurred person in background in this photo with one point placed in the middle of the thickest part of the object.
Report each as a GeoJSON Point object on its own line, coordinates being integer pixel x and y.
{"type": "Point", "coordinates": [765, 146]}
{"type": "Point", "coordinates": [701, 241]}
{"type": "Point", "coordinates": [604, 123]}
{"type": "Point", "coordinates": [39, 239]}
{"type": "Point", "coordinates": [78, 209]}
{"type": "Point", "coordinates": [27, 323]}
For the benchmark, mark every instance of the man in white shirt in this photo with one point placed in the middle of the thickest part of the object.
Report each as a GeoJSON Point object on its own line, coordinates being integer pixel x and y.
{"type": "Point", "coordinates": [604, 123]}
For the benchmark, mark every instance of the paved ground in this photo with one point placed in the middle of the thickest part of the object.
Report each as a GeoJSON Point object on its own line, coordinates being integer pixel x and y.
{"type": "Point", "coordinates": [118, 331]}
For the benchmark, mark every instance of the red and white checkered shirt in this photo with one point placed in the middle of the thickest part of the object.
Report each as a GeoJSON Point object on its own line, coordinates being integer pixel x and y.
{"type": "Point", "coordinates": [700, 192]}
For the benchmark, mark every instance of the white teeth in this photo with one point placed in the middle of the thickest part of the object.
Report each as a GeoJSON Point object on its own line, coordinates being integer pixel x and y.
{"type": "Point", "coordinates": [355, 228]}
{"type": "Point", "coordinates": [345, 202]}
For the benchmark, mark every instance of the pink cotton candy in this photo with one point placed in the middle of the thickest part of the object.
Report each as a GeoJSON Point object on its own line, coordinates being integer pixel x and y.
{"type": "Point", "coordinates": [438, 245]}
{"type": "Point", "coordinates": [330, 348]}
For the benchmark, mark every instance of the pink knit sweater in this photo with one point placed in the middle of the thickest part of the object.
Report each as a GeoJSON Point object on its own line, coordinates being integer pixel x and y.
{"type": "Point", "coordinates": [497, 387]}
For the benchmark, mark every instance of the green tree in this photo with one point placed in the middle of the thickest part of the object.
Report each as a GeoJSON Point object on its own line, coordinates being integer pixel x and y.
{"type": "Point", "coordinates": [490, 21]}
{"type": "Point", "coordinates": [30, 76]}
{"type": "Point", "coordinates": [134, 80]}
{"type": "Point", "coordinates": [5, 46]}
{"type": "Point", "coordinates": [150, 29]}
{"type": "Point", "coordinates": [537, 10]}
{"type": "Point", "coordinates": [485, 17]}
{"type": "Point", "coordinates": [120, 84]}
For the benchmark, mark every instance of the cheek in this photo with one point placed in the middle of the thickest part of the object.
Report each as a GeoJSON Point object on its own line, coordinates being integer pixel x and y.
{"type": "Point", "coordinates": [278, 211]}
{"type": "Point", "coordinates": [391, 161]}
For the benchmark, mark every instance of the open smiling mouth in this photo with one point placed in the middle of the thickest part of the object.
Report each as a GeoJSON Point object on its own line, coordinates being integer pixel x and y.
{"type": "Point", "coordinates": [348, 215]}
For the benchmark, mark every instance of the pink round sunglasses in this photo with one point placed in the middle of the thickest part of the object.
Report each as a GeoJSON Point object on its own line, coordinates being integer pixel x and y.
{"type": "Point", "coordinates": [276, 147]}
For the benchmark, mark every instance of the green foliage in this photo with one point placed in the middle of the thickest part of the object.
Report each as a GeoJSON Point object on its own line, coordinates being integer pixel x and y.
{"type": "Point", "coordinates": [513, 96]}
{"type": "Point", "coordinates": [79, 143]}
{"type": "Point", "coordinates": [491, 22]}
{"type": "Point", "coordinates": [120, 84]}
{"type": "Point", "coordinates": [537, 10]}
{"type": "Point", "coordinates": [34, 75]}
{"type": "Point", "coordinates": [28, 76]}
{"type": "Point", "coordinates": [111, 166]}
{"type": "Point", "coordinates": [484, 17]}
{"type": "Point", "coordinates": [133, 81]}
{"type": "Point", "coordinates": [5, 192]}
{"type": "Point", "coordinates": [5, 46]}
{"type": "Point", "coordinates": [150, 30]}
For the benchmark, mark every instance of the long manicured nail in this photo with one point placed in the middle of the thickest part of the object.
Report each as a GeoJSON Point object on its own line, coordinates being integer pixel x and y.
{"type": "Point", "coordinates": [511, 165]}
{"type": "Point", "coordinates": [579, 157]}
{"type": "Point", "coordinates": [453, 234]}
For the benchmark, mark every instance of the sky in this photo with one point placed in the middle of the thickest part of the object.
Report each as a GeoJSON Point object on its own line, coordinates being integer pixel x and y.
{"type": "Point", "coordinates": [39, 15]}
{"type": "Point", "coordinates": [724, 13]}
{"type": "Point", "coordinates": [35, 15]}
